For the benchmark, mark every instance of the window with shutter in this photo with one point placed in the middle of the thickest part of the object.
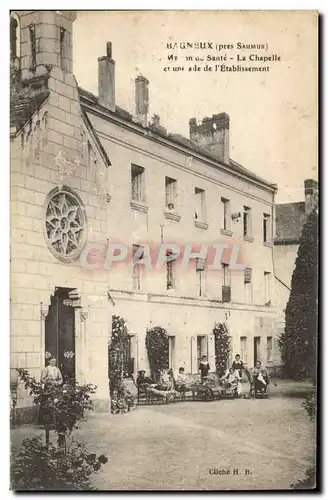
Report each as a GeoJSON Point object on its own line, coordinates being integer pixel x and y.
{"type": "Point", "coordinates": [137, 254]}
{"type": "Point", "coordinates": [137, 175]}
{"type": "Point", "coordinates": [170, 192]}
{"type": "Point", "coordinates": [200, 277]}
{"type": "Point", "coordinates": [247, 275]}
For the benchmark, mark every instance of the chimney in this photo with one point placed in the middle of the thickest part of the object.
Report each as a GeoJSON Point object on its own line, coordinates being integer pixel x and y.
{"type": "Point", "coordinates": [142, 99]}
{"type": "Point", "coordinates": [311, 195]}
{"type": "Point", "coordinates": [212, 134]}
{"type": "Point", "coordinates": [106, 79]}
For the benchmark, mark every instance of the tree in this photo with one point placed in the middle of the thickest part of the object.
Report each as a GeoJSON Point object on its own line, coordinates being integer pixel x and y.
{"type": "Point", "coordinates": [298, 342]}
{"type": "Point", "coordinates": [157, 345]}
{"type": "Point", "coordinates": [116, 350]}
{"type": "Point", "coordinates": [222, 347]}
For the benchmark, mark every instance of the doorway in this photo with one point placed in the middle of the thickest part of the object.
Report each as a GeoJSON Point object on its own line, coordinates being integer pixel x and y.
{"type": "Point", "coordinates": [60, 332]}
{"type": "Point", "coordinates": [257, 343]}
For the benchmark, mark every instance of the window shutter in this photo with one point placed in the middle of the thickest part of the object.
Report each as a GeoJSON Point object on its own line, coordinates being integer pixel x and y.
{"type": "Point", "coordinates": [193, 354]}
{"type": "Point", "coordinates": [248, 275]}
{"type": "Point", "coordinates": [200, 264]}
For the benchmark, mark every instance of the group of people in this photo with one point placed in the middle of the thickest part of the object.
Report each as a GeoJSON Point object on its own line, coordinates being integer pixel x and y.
{"type": "Point", "coordinates": [232, 379]}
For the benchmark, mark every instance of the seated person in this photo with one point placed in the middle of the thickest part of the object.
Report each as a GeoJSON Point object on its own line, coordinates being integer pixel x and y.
{"type": "Point", "coordinates": [230, 378]}
{"type": "Point", "coordinates": [166, 381]}
{"type": "Point", "coordinates": [260, 377]}
{"type": "Point", "coordinates": [238, 365]}
{"type": "Point", "coordinates": [142, 379]}
{"type": "Point", "coordinates": [181, 380]}
{"type": "Point", "coordinates": [204, 368]}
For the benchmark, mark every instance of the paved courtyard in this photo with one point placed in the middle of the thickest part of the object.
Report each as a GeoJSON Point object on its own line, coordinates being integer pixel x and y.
{"type": "Point", "coordinates": [176, 446]}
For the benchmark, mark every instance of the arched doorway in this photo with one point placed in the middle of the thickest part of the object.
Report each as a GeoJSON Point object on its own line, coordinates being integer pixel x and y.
{"type": "Point", "coordinates": [60, 332]}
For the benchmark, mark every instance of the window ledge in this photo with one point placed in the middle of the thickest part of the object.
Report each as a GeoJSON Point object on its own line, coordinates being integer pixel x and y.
{"type": "Point", "coordinates": [201, 225]}
{"type": "Point", "coordinates": [267, 244]}
{"type": "Point", "coordinates": [250, 239]}
{"type": "Point", "coordinates": [172, 216]}
{"type": "Point", "coordinates": [226, 232]}
{"type": "Point", "coordinates": [139, 205]}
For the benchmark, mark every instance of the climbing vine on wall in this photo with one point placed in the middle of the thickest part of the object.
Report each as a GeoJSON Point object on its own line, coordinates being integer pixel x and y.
{"type": "Point", "coordinates": [222, 347]}
{"type": "Point", "coordinates": [157, 345]}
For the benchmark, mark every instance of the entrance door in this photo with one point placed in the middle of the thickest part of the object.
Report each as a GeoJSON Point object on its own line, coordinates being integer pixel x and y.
{"type": "Point", "coordinates": [60, 332]}
{"type": "Point", "coordinates": [257, 342]}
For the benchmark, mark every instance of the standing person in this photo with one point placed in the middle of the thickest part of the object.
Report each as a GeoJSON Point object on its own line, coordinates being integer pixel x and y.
{"type": "Point", "coordinates": [51, 377]}
{"type": "Point", "coordinates": [51, 374]}
{"type": "Point", "coordinates": [204, 368]}
{"type": "Point", "coordinates": [238, 365]}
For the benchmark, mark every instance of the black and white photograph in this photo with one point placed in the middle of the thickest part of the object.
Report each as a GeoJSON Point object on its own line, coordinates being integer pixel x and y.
{"type": "Point", "coordinates": [163, 250]}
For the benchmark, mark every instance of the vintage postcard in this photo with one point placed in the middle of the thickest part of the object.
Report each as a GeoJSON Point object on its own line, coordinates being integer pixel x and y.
{"type": "Point", "coordinates": [164, 247]}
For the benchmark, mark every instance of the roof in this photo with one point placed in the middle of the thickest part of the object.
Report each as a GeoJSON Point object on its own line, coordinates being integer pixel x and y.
{"type": "Point", "coordinates": [22, 108]}
{"type": "Point", "coordinates": [290, 218]}
{"type": "Point", "coordinates": [174, 138]}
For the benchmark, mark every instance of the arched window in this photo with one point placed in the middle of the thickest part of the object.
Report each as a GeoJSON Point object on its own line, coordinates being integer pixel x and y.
{"type": "Point", "coordinates": [14, 36]}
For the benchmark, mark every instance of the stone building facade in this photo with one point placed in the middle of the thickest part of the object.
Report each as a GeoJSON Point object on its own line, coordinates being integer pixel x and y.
{"type": "Point", "coordinates": [86, 172]}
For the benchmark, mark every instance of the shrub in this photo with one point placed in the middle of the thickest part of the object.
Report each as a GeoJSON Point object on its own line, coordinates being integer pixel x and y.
{"type": "Point", "coordinates": [309, 483]}
{"type": "Point", "coordinates": [116, 349]}
{"type": "Point", "coordinates": [39, 467]}
{"type": "Point", "coordinates": [309, 404]}
{"type": "Point", "coordinates": [157, 345]}
{"type": "Point", "coordinates": [222, 347]}
{"type": "Point", "coordinates": [60, 406]}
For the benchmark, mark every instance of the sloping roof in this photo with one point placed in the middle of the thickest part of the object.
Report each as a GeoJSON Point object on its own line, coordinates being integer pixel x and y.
{"type": "Point", "coordinates": [22, 108]}
{"type": "Point", "coordinates": [175, 138]}
{"type": "Point", "coordinates": [95, 137]}
{"type": "Point", "coordinates": [290, 218]}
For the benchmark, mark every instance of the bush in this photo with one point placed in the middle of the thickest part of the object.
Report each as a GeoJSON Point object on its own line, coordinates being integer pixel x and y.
{"type": "Point", "coordinates": [222, 347]}
{"type": "Point", "coordinates": [309, 483]}
{"type": "Point", "coordinates": [116, 350]}
{"type": "Point", "coordinates": [157, 345]}
{"type": "Point", "coordinates": [40, 467]}
{"type": "Point", "coordinates": [309, 404]}
{"type": "Point", "coordinates": [60, 406]}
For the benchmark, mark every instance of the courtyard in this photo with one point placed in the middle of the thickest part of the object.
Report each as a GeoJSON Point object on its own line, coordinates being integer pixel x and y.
{"type": "Point", "coordinates": [218, 445]}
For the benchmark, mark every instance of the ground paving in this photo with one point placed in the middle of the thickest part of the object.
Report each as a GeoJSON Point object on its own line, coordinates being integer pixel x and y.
{"type": "Point", "coordinates": [160, 447]}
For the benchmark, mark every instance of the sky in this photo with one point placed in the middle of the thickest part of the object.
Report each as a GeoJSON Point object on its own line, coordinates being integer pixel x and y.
{"type": "Point", "coordinates": [273, 115]}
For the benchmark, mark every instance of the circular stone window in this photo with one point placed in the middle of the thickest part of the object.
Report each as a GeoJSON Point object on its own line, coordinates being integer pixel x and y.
{"type": "Point", "coordinates": [65, 224]}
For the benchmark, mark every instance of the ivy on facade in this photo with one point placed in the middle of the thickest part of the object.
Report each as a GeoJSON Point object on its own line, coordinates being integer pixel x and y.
{"type": "Point", "coordinates": [222, 347]}
{"type": "Point", "coordinates": [157, 345]}
{"type": "Point", "coordinates": [116, 349]}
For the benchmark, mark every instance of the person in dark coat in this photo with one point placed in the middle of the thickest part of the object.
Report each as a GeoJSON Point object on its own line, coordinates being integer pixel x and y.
{"type": "Point", "coordinates": [204, 368]}
{"type": "Point", "coordinates": [238, 365]}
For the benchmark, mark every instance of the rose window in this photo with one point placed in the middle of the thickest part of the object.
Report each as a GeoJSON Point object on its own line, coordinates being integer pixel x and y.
{"type": "Point", "coordinates": [65, 225]}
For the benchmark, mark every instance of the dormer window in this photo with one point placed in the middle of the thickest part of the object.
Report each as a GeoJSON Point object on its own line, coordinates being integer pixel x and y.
{"type": "Point", "coordinates": [33, 46]}
{"type": "Point", "coordinates": [13, 38]}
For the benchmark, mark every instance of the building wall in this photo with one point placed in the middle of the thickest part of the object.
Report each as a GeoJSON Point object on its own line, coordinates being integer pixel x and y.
{"type": "Point", "coordinates": [285, 258]}
{"type": "Point", "coordinates": [35, 271]}
{"type": "Point", "coordinates": [57, 132]}
{"type": "Point", "coordinates": [181, 311]}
